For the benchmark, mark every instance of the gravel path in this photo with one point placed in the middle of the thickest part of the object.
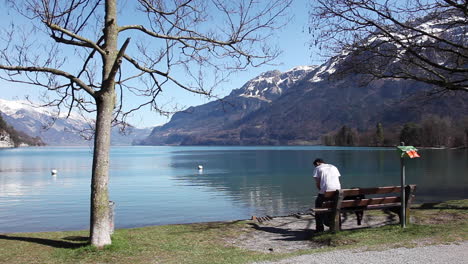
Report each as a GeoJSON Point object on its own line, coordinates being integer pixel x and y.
{"type": "Point", "coordinates": [289, 234]}
{"type": "Point", "coordinates": [453, 254]}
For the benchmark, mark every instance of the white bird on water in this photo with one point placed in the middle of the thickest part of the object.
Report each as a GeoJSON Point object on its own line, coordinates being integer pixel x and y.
{"type": "Point", "coordinates": [200, 167]}
{"type": "Point", "coordinates": [53, 172]}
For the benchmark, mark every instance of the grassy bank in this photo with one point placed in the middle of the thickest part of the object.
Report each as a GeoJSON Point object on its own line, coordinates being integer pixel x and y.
{"type": "Point", "coordinates": [213, 242]}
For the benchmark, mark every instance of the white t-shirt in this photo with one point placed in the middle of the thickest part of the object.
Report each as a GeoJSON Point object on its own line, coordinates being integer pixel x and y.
{"type": "Point", "coordinates": [329, 177]}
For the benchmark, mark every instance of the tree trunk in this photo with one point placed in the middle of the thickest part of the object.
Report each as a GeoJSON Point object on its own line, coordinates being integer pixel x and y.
{"type": "Point", "coordinates": [105, 102]}
{"type": "Point", "coordinates": [100, 222]}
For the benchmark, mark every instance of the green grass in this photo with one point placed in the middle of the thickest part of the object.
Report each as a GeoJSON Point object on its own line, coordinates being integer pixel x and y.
{"type": "Point", "coordinates": [434, 224]}
{"type": "Point", "coordinates": [394, 236]}
{"type": "Point", "coordinates": [208, 242]}
{"type": "Point", "coordinates": [196, 243]}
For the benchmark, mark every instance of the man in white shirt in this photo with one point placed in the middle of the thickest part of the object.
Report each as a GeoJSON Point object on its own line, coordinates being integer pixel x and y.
{"type": "Point", "coordinates": [326, 179]}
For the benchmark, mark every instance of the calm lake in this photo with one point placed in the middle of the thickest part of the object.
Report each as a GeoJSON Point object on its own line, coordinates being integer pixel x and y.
{"type": "Point", "coordinates": [162, 185]}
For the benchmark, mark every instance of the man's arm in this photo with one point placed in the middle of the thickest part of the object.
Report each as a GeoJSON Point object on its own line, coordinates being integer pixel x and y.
{"type": "Point", "coordinates": [317, 183]}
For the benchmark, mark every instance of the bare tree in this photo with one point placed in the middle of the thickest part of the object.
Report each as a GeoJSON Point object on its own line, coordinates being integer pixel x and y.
{"type": "Point", "coordinates": [422, 40]}
{"type": "Point", "coordinates": [84, 58]}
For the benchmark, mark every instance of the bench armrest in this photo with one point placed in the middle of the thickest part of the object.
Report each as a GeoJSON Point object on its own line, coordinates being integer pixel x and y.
{"type": "Point", "coordinates": [321, 210]}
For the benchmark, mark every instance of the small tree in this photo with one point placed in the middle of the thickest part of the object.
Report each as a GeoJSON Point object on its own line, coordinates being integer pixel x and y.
{"type": "Point", "coordinates": [328, 140]}
{"type": "Point", "coordinates": [345, 137]}
{"type": "Point", "coordinates": [464, 130]}
{"type": "Point", "coordinates": [411, 134]}
{"type": "Point", "coordinates": [422, 40]}
{"type": "Point", "coordinates": [379, 135]}
{"type": "Point", "coordinates": [466, 137]}
{"type": "Point", "coordinates": [435, 131]}
{"type": "Point", "coordinates": [83, 56]}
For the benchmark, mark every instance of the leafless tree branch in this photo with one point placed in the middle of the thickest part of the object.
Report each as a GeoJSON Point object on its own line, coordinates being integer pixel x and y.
{"type": "Point", "coordinates": [422, 40]}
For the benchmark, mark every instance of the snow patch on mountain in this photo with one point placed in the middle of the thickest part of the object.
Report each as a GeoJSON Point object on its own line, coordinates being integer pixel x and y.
{"type": "Point", "coordinates": [325, 70]}
{"type": "Point", "coordinates": [270, 85]}
{"type": "Point", "coordinates": [18, 109]}
{"type": "Point", "coordinates": [57, 129]}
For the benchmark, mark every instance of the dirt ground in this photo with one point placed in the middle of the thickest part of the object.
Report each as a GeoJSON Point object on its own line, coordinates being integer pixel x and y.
{"type": "Point", "coordinates": [292, 233]}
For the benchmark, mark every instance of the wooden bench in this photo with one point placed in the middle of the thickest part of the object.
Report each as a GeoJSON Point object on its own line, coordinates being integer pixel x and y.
{"type": "Point", "coordinates": [348, 200]}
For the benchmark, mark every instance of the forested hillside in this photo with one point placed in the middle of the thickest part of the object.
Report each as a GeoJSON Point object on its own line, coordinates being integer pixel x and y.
{"type": "Point", "coordinates": [11, 137]}
{"type": "Point", "coordinates": [431, 131]}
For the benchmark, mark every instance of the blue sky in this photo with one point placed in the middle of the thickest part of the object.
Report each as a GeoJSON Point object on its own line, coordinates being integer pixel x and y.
{"type": "Point", "coordinates": [293, 40]}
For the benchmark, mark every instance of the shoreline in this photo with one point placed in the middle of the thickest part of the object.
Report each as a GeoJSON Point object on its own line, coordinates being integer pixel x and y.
{"type": "Point", "coordinates": [414, 206]}
{"type": "Point", "coordinates": [305, 145]}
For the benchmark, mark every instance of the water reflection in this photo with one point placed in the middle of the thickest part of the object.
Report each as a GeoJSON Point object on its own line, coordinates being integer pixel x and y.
{"type": "Point", "coordinates": [31, 198]}
{"type": "Point", "coordinates": [162, 185]}
{"type": "Point", "coordinates": [278, 182]}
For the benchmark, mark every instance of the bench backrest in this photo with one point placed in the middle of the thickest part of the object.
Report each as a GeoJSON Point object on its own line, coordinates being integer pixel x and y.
{"type": "Point", "coordinates": [389, 196]}
{"type": "Point", "coordinates": [365, 191]}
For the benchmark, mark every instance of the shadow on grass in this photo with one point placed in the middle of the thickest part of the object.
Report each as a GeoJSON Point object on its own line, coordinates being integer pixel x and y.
{"type": "Point", "coordinates": [439, 206]}
{"type": "Point", "coordinates": [50, 242]}
{"type": "Point", "coordinates": [286, 233]}
{"type": "Point", "coordinates": [76, 238]}
{"type": "Point", "coordinates": [208, 226]}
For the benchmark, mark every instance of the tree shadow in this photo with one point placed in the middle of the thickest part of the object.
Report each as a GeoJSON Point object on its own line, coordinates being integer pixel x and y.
{"type": "Point", "coordinates": [286, 233]}
{"type": "Point", "coordinates": [76, 238]}
{"type": "Point", "coordinates": [208, 226]}
{"type": "Point", "coordinates": [439, 206]}
{"type": "Point", "coordinates": [50, 242]}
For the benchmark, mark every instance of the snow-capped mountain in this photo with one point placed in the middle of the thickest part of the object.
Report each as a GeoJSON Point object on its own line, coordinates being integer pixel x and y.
{"type": "Point", "coordinates": [304, 110]}
{"type": "Point", "coordinates": [272, 84]}
{"type": "Point", "coordinates": [303, 104]}
{"type": "Point", "coordinates": [53, 130]}
{"type": "Point", "coordinates": [430, 49]}
{"type": "Point", "coordinates": [219, 115]}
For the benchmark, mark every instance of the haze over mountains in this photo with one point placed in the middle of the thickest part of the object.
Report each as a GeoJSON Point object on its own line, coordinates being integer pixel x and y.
{"type": "Point", "coordinates": [38, 122]}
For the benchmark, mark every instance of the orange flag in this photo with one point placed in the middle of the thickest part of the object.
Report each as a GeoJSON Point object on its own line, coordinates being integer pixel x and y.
{"type": "Point", "coordinates": [413, 154]}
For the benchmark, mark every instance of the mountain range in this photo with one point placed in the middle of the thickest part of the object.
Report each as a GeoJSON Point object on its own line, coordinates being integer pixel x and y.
{"type": "Point", "coordinates": [303, 104]}
{"type": "Point", "coordinates": [42, 123]}
{"type": "Point", "coordinates": [300, 105]}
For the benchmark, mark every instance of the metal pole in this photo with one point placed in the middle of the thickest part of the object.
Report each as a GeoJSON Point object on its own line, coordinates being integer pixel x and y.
{"type": "Point", "coordinates": [403, 203]}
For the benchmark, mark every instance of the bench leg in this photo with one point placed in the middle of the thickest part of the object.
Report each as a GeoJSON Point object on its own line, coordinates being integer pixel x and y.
{"type": "Point", "coordinates": [359, 216]}
{"type": "Point", "coordinates": [336, 222]}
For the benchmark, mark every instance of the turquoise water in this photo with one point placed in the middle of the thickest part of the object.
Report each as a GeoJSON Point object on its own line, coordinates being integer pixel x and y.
{"type": "Point", "coordinates": [162, 185]}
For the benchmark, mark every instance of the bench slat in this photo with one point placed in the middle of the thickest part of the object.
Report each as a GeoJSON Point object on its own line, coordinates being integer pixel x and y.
{"type": "Point", "coordinates": [366, 191]}
{"type": "Point", "coordinates": [363, 202]}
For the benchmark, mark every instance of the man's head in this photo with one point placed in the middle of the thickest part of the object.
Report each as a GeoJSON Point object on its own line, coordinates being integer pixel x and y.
{"type": "Point", "coordinates": [318, 162]}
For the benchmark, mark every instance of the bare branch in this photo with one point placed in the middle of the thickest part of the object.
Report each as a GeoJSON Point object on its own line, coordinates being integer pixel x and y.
{"type": "Point", "coordinates": [67, 75]}
{"type": "Point", "coordinates": [419, 40]}
{"type": "Point", "coordinates": [169, 37]}
{"type": "Point", "coordinates": [118, 59]}
{"type": "Point", "coordinates": [84, 42]}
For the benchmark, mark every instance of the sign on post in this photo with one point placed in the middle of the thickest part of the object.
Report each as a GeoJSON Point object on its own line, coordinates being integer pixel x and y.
{"type": "Point", "coordinates": [405, 152]}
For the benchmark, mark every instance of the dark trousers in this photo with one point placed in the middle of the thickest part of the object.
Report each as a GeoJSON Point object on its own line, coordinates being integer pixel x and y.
{"type": "Point", "coordinates": [319, 218]}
